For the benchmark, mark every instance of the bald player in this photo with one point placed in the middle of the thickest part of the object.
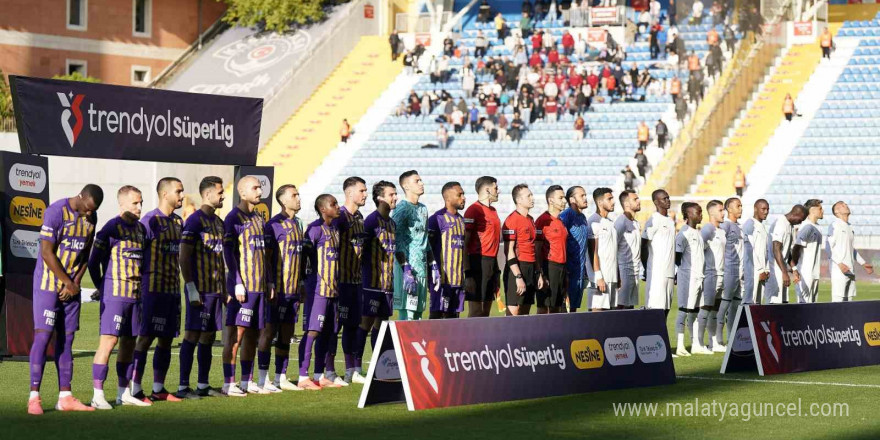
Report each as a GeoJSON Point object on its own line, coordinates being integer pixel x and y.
{"type": "Point", "coordinates": [413, 256]}
{"type": "Point", "coordinates": [247, 278]}
{"type": "Point", "coordinates": [806, 253]}
{"type": "Point", "coordinates": [602, 246]}
{"type": "Point", "coordinates": [658, 254]}
{"type": "Point", "coordinates": [690, 259]}
{"type": "Point", "coordinates": [446, 235]}
{"type": "Point", "coordinates": [482, 239]}
{"type": "Point", "coordinates": [734, 253]}
{"type": "Point", "coordinates": [756, 266]}
{"type": "Point", "coordinates": [713, 285]}
{"type": "Point", "coordinates": [576, 245]}
{"type": "Point", "coordinates": [782, 237]}
{"type": "Point", "coordinates": [629, 248]}
{"type": "Point", "coordinates": [843, 255]}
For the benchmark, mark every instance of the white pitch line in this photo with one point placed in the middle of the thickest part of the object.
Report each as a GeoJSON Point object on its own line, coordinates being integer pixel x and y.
{"type": "Point", "coordinates": [792, 382]}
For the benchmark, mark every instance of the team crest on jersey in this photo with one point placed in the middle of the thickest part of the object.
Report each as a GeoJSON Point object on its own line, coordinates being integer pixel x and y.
{"type": "Point", "coordinates": [256, 53]}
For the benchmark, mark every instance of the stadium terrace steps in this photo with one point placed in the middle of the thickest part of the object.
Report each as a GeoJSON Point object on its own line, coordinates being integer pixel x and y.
{"type": "Point", "coordinates": [313, 131]}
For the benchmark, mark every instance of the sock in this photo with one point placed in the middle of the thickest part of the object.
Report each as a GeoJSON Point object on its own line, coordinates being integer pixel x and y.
{"type": "Point", "coordinates": [702, 319]}
{"type": "Point", "coordinates": [263, 359]}
{"type": "Point", "coordinates": [330, 357]}
{"type": "Point", "coordinates": [348, 337]}
{"type": "Point", "coordinates": [228, 374]}
{"type": "Point", "coordinates": [140, 363]}
{"type": "Point", "coordinates": [37, 358]}
{"type": "Point", "coordinates": [374, 336]}
{"type": "Point", "coordinates": [320, 354]}
{"type": "Point", "coordinates": [286, 362]}
{"type": "Point", "coordinates": [123, 373]}
{"type": "Point", "coordinates": [305, 356]}
{"type": "Point", "coordinates": [680, 341]}
{"type": "Point", "coordinates": [247, 370]}
{"type": "Point", "coordinates": [33, 394]}
{"type": "Point", "coordinates": [99, 375]}
{"type": "Point", "coordinates": [679, 322]}
{"type": "Point", "coordinates": [98, 394]}
{"type": "Point", "coordinates": [161, 362]}
{"type": "Point", "coordinates": [64, 359]}
{"type": "Point", "coordinates": [187, 349]}
{"type": "Point", "coordinates": [731, 315]}
{"type": "Point", "coordinates": [205, 357]}
{"type": "Point", "coordinates": [301, 350]}
{"type": "Point", "coordinates": [120, 391]}
{"type": "Point", "coordinates": [711, 325]}
{"type": "Point", "coordinates": [63, 394]}
{"type": "Point", "coordinates": [691, 318]}
{"type": "Point", "coordinates": [360, 345]}
{"type": "Point", "coordinates": [280, 365]}
{"type": "Point", "coordinates": [721, 315]}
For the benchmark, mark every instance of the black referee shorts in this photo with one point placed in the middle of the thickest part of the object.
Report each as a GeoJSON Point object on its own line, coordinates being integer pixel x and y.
{"type": "Point", "coordinates": [530, 276]}
{"type": "Point", "coordinates": [553, 294]}
{"type": "Point", "coordinates": [485, 272]}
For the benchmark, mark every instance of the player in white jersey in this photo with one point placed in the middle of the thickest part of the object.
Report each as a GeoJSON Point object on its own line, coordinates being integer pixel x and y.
{"type": "Point", "coordinates": [841, 251]}
{"type": "Point", "coordinates": [779, 253]}
{"type": "Point", "coordinates": [713, 285]}
{"type": "Point", "coordinates": [629, 248]}
{"type": "Point", "coordinates": [658, 254]}
{"type": "Point", "coordinates": [756, 268]}
{"type": "Point", "coordinates": [734, 252]}
{"type": "Point", "coordinates": [806, 253]}
{"type": "Point", "coordinates": [602, 247]}
{"type": "Point", "coordinates": [690, 259]}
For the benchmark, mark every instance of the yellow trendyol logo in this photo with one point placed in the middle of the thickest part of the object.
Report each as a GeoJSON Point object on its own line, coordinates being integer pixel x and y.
{"type": "Point", "coordinates": [27, 211]}
{"type": "Point", "coordinates": [587, 354]}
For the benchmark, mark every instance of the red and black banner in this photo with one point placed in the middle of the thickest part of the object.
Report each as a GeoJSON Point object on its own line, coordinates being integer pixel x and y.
{"type": "Point", "coordinates": [791, 338]}
{"type": "Point", "coordinates": [480, 360]}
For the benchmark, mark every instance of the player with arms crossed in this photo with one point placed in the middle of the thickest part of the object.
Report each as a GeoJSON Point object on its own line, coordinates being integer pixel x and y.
{"type": "Point", "coordinates": [658, 254]}
{"type": "Point", "coordinates": [551, 253]}
{"type": "Point", "coordinates": [806, 253]}
{"type": "Point", "coordinates": [576, 245]}
{"type": "Point", "coordinates": [602, 245]}
{"type": "Point", "coordinates": [690, 259]}
{"type": "Point", "coordinates": [756, 267]}
{"type": "Point", "coordinates": [204, 278]}
{"type": "Point", "coordinates": [116, 265]}
{"type": "Point", "coordinates": [522, 275]}
{"type": "Point", "coordinates": [66, 238]}
{"type": "Point", "coordinates": [732, 280]}
{"type": "Point", "coordinates": [412, 253]}
{"type": "Point", "coordinates": [629, 248]}
{"type": "Point", "coordinates": [715, 239]}
{"type": "Point", "coordinates": [779, 250]}
{"type": "Point", "coordinates": [446, 235]}
{"type": "Point", "coordinates": [842, 254]}
{"type": "Point", "coordinates": [482, 238]}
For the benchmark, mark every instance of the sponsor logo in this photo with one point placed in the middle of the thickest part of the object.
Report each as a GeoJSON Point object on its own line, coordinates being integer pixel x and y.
{"type": "Point", "coordinates": [504, 358]}
{"type": "Point", "coordinates": [387, 367]}
{"type": "Point", "coordinates": [742, 340]}
{"type": "Point", "coordinates": [425, 363]}
{"type": "Point", "coordinates": [232, 88]}
{"type": "Point", "coordinates": [257, 53]}
{"type": "Point", "coordinates": [587, 354]}
{"type": "Point", "coordinates": [651, 349]}
{"type": "Point", "coordinates": [24, 244]}
{"type": "Point", "coordinates": [27, 178]}
{"type": "Point", "coordinates": [620, 351]}
{"type": "Point", "coordinates": [770, 341]}
{"type": "Point", "coordinates": [263, 210]}
{"type": "Point", "coordinates": [872, 333]}
{"type": "Point", "coordinates": [69, 107]}
{"type": "Point", "coordinates": [26, 211]}
{"type": "Point", "coordinates": [265, 184]}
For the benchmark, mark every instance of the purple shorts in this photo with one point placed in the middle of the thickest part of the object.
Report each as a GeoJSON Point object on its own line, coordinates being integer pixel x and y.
{"type": "Point", "coordinates": [349, 306]}
{"type": "Point", "coordinates": [376, 303]}
{"type": "Point", "coordinates": [205, 318]}
{"type": "Point", "coordinates": [320, 310]}
{"type": "Point", "coordinates": [161, 315]}
{"type": "Point", "coordinates": [449, 299]}
{"type": "Point", "coordinates": [120, 318]}
{"type": "Point", "coordinates": [284, 311]}
{"type": "Point", "coordinates": [253, 313]}
{"type": "Point", "coordinates": [50, 313]}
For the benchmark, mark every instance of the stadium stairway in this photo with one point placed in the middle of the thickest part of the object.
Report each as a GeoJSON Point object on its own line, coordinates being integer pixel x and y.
{"type": "Point", "coordinates": [312, 132]}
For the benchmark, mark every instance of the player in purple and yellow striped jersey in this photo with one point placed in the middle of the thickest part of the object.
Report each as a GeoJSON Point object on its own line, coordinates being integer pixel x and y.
{"type": "Point", "coordinates": [377, 264]}
{"type": "Point", "coordinates": [286, 246]}
{"type": "Point", "coordinates": [204, 277]}
{"type": "Point", "coordinates": [322, 291]}
{"type": "Point", "coordinates": [446, 235]}
{"type": "Point", "coordinates": [65, 241]}
{"type": "Point", "coordinates": [350, 225]}
{"type": "Point", "coordinates": [246, 313]}
{"type": "Point", "coordinates": [116, 266]}
{"type": "Point", "coordinates": [160, 294]}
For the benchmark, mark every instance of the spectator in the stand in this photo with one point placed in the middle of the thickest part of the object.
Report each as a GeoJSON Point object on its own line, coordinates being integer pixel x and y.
{"type": "Point", "coordinates": [408, 65]}
{"type": "Point", "coordinates": [535, 60]}
{"type": "Point", "coordinates": [481, 45]}
{"type": "Point", "coordinates": [491, 108]}
{"type": "Point", "coordinates": [580, 46]}
{"type": "Point", "coordinates": [457, 118]}
{"type": "Point", "coordinates": [394, 42]}
{"type": "Point", "coordinates": [548, 41]}
{"type": "Point", "coordinates": [641, 162]}
{"type": "Point", "coordinates": [551, 90]}
{"type": "Point", "coordinates": [520, 58]}
{"type": "Point", "coordinates": [526, 7]}
{"type": "Point", "coordinates": [629, 178]}
{"type": "Point", "coordinates": [516, 128]}
{"type": "Point", "coordinates": [611, 86]}
{"type": "Point", "coordinates": [654, 7]}
{"type": "Point", "coordinates": [655, 40]}
{"type": "Point", "coordinates": [644, 134]}
{"type": "Point", "coordinates": [662, 131]}
{"type": "Point", "coordinates": [593, 81]}
{"type": "Point", "coordinates": [712, 37]}
{"type": "Point", "coordinates": [442, 137]}
{"type": "Point", "coordinates": [468, 81]}
{"type": "Point", "coordinates": [525, 25]}
{"type": "Point", "coordinates": [571, 104]}
{"type": "Point", "coordinates": [712, 65]}
{"type": "Point", "coordinates": [567, 44]}
{"type": "Point", "coordinates": [502, 127]}
{"type": "Point", "coordinates": [345, 131]}
{"type": "Point", "coordinates": [788, 107]}
{"type": "Point", "coordinates": [825, 42]}
{"type": "Point", "coordinates": [680, 110]}
{"type": "Point", "coordinates": [584, 97]}
{"type": "Point", "coordinates": [474, 118]}
{"type": "Point", "coordinates": [525, 108]}
{"type": "Point", "coordinates": [697, 17]}
{"type": "Point", "coordinates": [553, 57]}
{"type": "Point", "coordinates": [489, 128]}
{"type": "Point", "coordinates": [448, 46]}
{"type": "Point", "coordinates": [426, 104]}
{"type": "Point", "coordinates": [739, 181]}
{"type": "Point", "coordinates": [729, 37]}
{"type": "Point", "coordinates": [485, 14]}
{"type": "Point", "coordinates": [695, 88]}
{"type": "Point", "coordinates": [693, 63]}
{"type": "Point", "coordinates": [448, 107]}
{"type": "Point", "coordinates": [500, 26]}
{"type": "Point", "coordinates": [537, 41]}
{"type": "Point", "coordinates": [551, 109]}
{"type": "Point", "coordinates": [675, 88]}
{"type": "Point", "coordinates": [634, 74]}
{"type": "Point", "coordinates": [461, 106]}
{"type": "Point", "coordinates": [644, 22]}
{"type": "Point", "coordinates": [579, 125]}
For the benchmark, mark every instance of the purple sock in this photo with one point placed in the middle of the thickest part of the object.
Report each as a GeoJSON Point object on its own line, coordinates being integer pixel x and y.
{"type": "Point", "coordinates": [247, 370]}
{"type": "Point", "coordinates": [161, 362]}
{"type": "Point", "coordinates": [348, 337]}
{"type": "Point", "coordinates": [306, 355]}
{"type": "Point", "coordinates": [359, 345]}
{"type": "Point", "coordinates": [280, 364]}
{"type": "Point", "coordinates": [205, 357]}
{"type": "Point", "coordinates": [37, 357]}
{"type": "Point", "coordinates": [263, 359]}
{"type": "Point", "coordinates": [139, 360]}
{"type": "Point", "coordinates": [99, 375]}
{"type": "Point", "coordinates": [286, 361]}
{"type": "Point", "coordinates": [64, 359]}
{"type": "Point", "coordinates": [187, 349]}
{"type": "Point", "coordinates": [228, 373]}
{"type": "Point", "coordinates": [123, 371]}
{"type": "Point", "coordinates": [374, 336]}
{"type": "Point", "coordinates": [320, 354]}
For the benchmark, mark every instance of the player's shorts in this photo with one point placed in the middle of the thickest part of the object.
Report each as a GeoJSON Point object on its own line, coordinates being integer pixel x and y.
{"type": "Point", "coordinates": [690, 296]}
{"type": "Point", "coordinates": [250, 314]}
{"type": "Point", "coordinates": [376, 303]}
{"type": "Point", "coordinates": [733, 287]}
{"type": "Point", "coordinates": [486, 277]}
{"type": "Point", "coordinates": [284, 311]}
{"type": "Point", "coordinates": [51, 314]}
{"type": "Point", "coordinates": [628, 292]}
{"type": "Point", "coordinates": [322, 314]}
{"type": "Point", "coordinates": [207, 317]}
{"type": "Point", "coordinates": [449, 299]}
{"type": "Point", "coordinates": [553, 294]}
{"type": "Point", "coordinates": [775, 292]}
{"type": "Point", "coordinates": [658, 293]}
{"type": "Point", "coordinates": [160, 315]}
{"type": "Point", "coordinates": [711, 290]}
{"type": "Point", "coordinates": [349, 306]}
{"type": "Point", "coordinates": [606, 300]}
{"type": "Point", "coordinates": [843, 287]}
{"type": "Point", "coordinates": [807, 291]}
{"type": "Point", "coordinates": [400, 297]}
{"type": "Point", "coordinates": [529, 276]}
{"type": "Point", "coordinates": [576, 287]}
{"type": "Point", "coordinates": [120, 319]}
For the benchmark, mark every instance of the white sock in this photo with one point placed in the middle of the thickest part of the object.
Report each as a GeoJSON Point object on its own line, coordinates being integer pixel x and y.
{"type": "Point", "coordinates": [63, 394]}
{"type": "Point", "coordinates": [158, 386]}
{"type": "Point", "coordinates": [318, 377]}
{"type": "Point", "coordinates": [262, 379]}
{"type": "Point", "coordinates": [181, 388]}
{"type": "Point", "coordinates": [120, 391]}
{"type": "Point", "coordinates": [303, 378]}
{"type": "Point", "coordinates": [680, 344]}
{"type": "Point", "coordinates": [349, 371]}
{"type": "Point", "coordinates": [135, 388]}
{"type": "Point", "coordinates": [34, 394]}
{"type": "Point", "coordinates": [98, 394]}
{"type": "Point", "coordinates": [202, 386]}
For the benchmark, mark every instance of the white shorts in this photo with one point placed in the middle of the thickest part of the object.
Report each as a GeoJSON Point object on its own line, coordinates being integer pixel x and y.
{"type": "Point", "coordinates": [776, 293]}
{"type": "Point", "coordinates": [843, 287]}
{"type": "Point", "coordinates": [807, 291]}
{"type": "Point", "coordinates": [607, 300]}
{"type": "Point", "coordinates": [628, 293]}
{"type": "Point", "coordinates": [692, 298]}
{"type": "Point", "coordinates": [660, 294]}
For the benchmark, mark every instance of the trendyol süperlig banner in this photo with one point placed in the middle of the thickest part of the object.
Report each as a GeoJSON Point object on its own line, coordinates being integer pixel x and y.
{"type": "Point", "coordinates": [72, 118]}
{"type": "Point", "coordinates": [791, 338]}
{"type": "Point", "coordinates": [480, 360]}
